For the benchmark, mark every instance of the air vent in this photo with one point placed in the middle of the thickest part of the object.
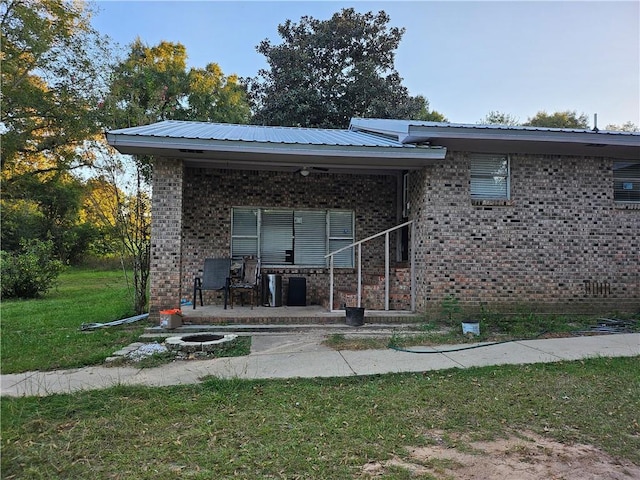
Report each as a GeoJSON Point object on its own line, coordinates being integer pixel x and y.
{"type": "Point", "coordinates": [594, 288]}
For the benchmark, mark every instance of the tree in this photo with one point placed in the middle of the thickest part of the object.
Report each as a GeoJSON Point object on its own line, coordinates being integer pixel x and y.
{"type": "Point", "coordinates": [52, 64]}
{"type": "Point", "coordinates": [51, 83]}
{"type": "Point", "coordinates": [152, 84]}
{"type": "Point", "coordinates": [147, 86]}
{"type": "Point", "coordinates": [212, 97]}
{"type": "Point", "coordinates": [625, 127]}
{"type": "Point", "coordinates": [120, 202]}
{"type": "Point", "coordinates": [425, 114]}
{"type": "Point", "coordinates": [566, 119]}
{"type": "Point", "coordinates": [325, 72]}
{"type": "Point", "coordinates": [495, 117]}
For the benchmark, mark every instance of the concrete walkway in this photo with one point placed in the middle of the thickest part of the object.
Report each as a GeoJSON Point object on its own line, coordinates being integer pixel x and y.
{"type": "Point", "coordinates": [303, 355]}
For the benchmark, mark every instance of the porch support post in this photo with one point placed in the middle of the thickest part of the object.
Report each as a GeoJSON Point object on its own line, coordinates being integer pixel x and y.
{"type": "Point", "coordinates": [166, 236]}
{"type": "Point", "coordinates": [413, 267]}
{"type": "Point", "coordinates": [386, 271]}
{"type": "Point", "coordinates": [331, 283]}
{"type": "Point", "coordinates": [359, 275]}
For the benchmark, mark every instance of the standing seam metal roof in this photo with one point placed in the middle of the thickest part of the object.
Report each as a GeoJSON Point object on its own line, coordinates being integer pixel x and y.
{"type": "Point", "coordinates": [404, 126]}
{"type": "Point", "coordinates": [259, 133]}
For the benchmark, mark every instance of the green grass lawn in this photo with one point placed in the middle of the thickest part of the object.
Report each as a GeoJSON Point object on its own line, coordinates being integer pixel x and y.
{"type": "Point", "coordinates": [322, 428]}
{"type": "Point", "coordinates": [44, 334]}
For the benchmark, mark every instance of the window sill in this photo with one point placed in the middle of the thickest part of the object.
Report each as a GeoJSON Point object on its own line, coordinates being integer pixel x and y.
{"type": "Point", "coordinates": [627, 205]}
{"type": "Point", "coordinates": [293, 269]}
{"type": "Point", "coordinates": [491, 203]}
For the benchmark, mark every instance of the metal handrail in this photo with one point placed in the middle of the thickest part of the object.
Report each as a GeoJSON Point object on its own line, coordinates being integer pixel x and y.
{"type": "Point", "coordinates": [386, 265]}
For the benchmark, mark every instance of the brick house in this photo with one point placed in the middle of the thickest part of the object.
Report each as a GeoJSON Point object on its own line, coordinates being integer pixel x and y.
{"type": "Point", "coordinates": [493, 216]}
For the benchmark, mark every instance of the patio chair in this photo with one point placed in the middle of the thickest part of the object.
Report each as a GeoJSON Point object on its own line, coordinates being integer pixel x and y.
{"type": "Point", "coordinates": [248, 282]}
{"type": "Point", "coordinates": [215, 276]}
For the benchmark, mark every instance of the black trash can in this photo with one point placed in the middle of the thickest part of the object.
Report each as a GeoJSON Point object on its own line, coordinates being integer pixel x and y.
{"type": "Point", "coordinates": [355, 316]}
{"type": "Point", "coordinates": [297, 294]}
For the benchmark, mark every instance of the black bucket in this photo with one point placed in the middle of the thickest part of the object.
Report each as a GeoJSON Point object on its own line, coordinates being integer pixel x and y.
{"type": "Point", "coordinates": [355, 316]}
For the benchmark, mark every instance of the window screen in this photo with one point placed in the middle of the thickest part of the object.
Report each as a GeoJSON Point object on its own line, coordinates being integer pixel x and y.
{"type": "Point", "coordinates": [244, 232]}
{"type": "Point", "coordinates": [310, 240]}
{"type": "Point", "coordinates": [288, 237]}
{"type": "Point", "coordinates": [276, 235]}
{"type": "Point", "coordinates": [626, 181]}
{"type": "Point", "coordinates": [341, 235]}
{"type": "Point", "coordinates": [490, 177]}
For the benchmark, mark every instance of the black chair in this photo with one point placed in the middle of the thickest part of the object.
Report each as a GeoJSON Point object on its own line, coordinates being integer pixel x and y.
{"type": "Point", "coordinates": [215, 276]}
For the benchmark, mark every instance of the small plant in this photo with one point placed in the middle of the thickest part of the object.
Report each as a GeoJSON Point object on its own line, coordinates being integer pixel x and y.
{"type": "Point", "coordinates": [31, 272]}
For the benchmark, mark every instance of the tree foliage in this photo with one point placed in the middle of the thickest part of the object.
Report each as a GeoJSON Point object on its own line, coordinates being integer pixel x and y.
{"type": "Point", "coordinates": [565, 119]}
{"type": "Point", "coordinates": [325, 72]}
{"type": "Point", "coordinates": [51, 81]}
{"type": "Point", "coordinates": [52, 64]}
{"type": "Point", "coordinates": [625, 127]}
{"type": "Point", "coordinates": [152, 84]}
{"type": "Point", "coordinates": [499, 118]}
{"type": "Point", "coordinates": [214, 97]}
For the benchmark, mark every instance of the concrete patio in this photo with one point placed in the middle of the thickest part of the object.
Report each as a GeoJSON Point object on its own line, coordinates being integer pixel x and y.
{"type": "Point", "coordinates": [313, 314]}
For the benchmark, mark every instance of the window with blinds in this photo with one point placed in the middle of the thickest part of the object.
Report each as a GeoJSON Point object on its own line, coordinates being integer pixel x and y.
{"type": "Point", "coordinates": [626, 181]}
{"type": "Point", "coordinates": [490, 177]}
{"type": "Point", "coordinates": [292, 237]}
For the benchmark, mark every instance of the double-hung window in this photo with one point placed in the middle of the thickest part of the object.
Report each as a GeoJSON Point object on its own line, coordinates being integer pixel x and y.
{"type": "Point", "coordinates": [300, 238]}
{"type": "Point", "coordinates": [490, 177]}
{"type": "Point", "coordinates": [626, 181]}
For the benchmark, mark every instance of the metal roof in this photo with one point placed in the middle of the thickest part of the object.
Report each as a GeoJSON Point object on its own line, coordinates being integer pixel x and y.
{"type": "Point", "coordinates": [399, 126]}
{"type": "Point", "coordinates": [258, 133]}
{"type": "Point", "coordinates": [369, 142]}
{"type": "Point", "coordinates": [504, 138]}
{"type": "Point", "coordinates": [256, 146]}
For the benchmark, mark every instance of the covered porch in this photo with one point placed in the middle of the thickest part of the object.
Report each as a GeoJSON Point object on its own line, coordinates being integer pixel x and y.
{"type": "Point", "coordinates": [210, 180]}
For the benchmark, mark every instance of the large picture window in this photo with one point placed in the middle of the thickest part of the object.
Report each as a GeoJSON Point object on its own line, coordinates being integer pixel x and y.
{"type": "Point", "coordinates": [292, 237]}
{"type": "Point", "coordinates": [626, 181]}
{"type": "Point", "coordinates": [490, 177]}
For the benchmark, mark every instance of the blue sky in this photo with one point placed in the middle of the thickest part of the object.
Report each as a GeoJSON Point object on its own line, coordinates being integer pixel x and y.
{"type": "Point", "coordinates": [466, 57]}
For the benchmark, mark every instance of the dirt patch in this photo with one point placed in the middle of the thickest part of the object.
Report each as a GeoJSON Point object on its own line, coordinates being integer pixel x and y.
{"type": "Point", "coordinates": [530, 457]}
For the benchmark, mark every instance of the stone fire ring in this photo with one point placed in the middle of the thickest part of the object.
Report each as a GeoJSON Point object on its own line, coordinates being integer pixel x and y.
{"type": "Point", "coordinates": [198, 342]}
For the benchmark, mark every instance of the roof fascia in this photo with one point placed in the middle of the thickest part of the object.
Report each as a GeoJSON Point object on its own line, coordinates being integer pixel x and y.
{"type": "Point", "coordinates": [422, 133]}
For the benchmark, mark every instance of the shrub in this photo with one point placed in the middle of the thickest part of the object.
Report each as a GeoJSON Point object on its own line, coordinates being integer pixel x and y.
{"type": "Point", "coordinates": [30, 272]}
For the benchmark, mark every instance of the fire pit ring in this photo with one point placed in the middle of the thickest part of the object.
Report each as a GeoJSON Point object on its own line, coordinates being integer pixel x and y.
{"type": "Point", "coordinates": [198, 342]}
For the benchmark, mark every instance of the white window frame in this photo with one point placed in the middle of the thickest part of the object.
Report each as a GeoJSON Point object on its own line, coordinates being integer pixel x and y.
{"type": "Point", "coordinates": [347, 259]}
{"type": "Point", "coordinates": [476, 178]}
{"type": "Point", "coordinates": [626, 186]}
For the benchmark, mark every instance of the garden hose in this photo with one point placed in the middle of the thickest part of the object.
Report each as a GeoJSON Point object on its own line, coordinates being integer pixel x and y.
{"type": "Point", "coordinates": [470, 347]}
{"type": "Point", "coordinates": [604, 326]}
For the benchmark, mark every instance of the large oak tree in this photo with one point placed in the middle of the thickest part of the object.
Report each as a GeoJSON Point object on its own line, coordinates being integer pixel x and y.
{"type": "Point", "coordinates": [325, 72]}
